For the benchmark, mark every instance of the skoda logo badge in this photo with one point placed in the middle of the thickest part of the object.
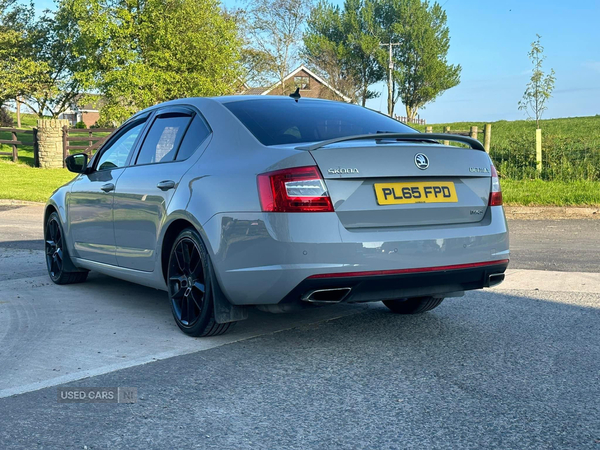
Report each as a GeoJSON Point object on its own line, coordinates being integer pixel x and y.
{"type": "Point", "coordinates": [421, 161]}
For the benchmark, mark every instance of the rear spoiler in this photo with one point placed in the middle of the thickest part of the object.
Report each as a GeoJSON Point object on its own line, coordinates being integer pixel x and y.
{"type": "Point", "coordinates": [416, 137]}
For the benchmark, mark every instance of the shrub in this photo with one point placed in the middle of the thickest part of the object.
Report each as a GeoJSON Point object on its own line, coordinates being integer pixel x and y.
{"type": "Point", "coordinates": [80, 125]}
{"type": "Point", "coordinates": [6, 119]}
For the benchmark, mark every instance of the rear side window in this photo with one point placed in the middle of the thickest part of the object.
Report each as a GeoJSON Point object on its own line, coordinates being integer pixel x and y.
{"type": "Point", "coordinates": [163, 139]}
{"type": "Point", "coordinates": [284, 121]}
{"type": "Point", "coordinates": [197, 132]}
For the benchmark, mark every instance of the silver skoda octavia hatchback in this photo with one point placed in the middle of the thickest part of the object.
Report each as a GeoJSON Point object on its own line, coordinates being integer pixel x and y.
{"type": "Point", "coordinates": [232, 202]}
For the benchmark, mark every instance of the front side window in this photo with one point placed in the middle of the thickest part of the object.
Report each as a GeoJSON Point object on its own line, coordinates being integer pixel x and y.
{"type": "Point", "coordinates": [163, 139]}
{"type": "Point", "coordinates": [118, 152]}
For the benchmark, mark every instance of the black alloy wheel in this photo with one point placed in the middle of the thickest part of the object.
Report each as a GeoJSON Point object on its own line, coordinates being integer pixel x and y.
{"type": "Point", "coordinates": [57, 255]}
{"type": "Point", "coordinates": [186, 282]}
{"type": "Point", "coordinates": [54, 252]}
{"type": "Point", "coordinates": [190, 288]}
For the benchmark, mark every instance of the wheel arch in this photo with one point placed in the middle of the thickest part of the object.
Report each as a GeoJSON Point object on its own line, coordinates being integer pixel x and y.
{"type": "Point", "coordinates": [223, 309]}
{"type": "Point", "coordinates": [50, 208]}
{"type": "Point", "coordinates": [171, 233]}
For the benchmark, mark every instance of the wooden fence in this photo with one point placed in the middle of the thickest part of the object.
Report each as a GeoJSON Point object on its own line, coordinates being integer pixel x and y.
{"type": "Point", "coordinates": [15, 143]}
{"type": "Point", "coordinates": [73, 137]}
{"type": "Point", "coordinates": [473, 132]}
{"type": "Point", "coordinates": [415, 121]}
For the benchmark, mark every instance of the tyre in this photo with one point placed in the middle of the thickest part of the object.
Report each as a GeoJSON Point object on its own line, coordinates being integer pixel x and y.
{"type": "Point", "coordinates": [58, 261]}
{"type": "Point", "coordinates": [189, 280]}
{"type": "Point", "coordinates": [416, 305]}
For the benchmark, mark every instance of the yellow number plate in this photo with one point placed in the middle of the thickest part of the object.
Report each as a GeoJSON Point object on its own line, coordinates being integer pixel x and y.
{"type": "Point", "coordinates": [421, 192]}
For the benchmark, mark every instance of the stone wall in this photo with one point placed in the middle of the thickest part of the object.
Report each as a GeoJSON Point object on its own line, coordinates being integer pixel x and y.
{"type": "Point", "coordinates": [50, 143]}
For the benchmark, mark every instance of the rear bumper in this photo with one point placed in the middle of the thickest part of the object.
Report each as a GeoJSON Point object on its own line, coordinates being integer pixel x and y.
{"type": "Point", "coordinates": [396, 284]}
{"type": "Point", "coordinates": [263, 258]}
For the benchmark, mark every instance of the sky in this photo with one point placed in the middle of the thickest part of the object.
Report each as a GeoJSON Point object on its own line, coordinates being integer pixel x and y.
{"type": "Point", "coordinates": [490, 39]}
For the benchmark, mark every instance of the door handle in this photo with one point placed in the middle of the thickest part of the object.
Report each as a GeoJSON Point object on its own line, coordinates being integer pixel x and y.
{"type": "Point", "coordinates": [108, 187]}
{"type": "Point", "coordinates": [166, 185]}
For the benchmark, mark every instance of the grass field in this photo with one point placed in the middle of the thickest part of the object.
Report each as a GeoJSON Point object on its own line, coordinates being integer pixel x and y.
{"type": "Point", "coordinates": [571, 165]}
{"type": "Point", "coordinates": [28, 121]}
{"type": "Point", "coordinates": [571, 147]}
{"type": "Point", "coordinates": [22, 182]}
{"type": "Point", "coordinates": [551, 193]}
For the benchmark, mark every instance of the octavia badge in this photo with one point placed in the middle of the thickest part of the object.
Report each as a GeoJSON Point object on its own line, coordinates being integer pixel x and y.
{"type": "Point", "coordinates": [421, 161]}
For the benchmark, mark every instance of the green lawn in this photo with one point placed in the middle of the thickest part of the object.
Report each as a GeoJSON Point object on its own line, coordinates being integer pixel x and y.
{"type": "Point", "coordinates": [21, 182]}
{"type": "Point", "coordinates": [551, 193]}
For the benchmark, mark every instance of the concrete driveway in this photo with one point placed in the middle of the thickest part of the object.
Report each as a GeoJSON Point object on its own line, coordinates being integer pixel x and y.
{"type": "Point", "coordinates": [516, 366]}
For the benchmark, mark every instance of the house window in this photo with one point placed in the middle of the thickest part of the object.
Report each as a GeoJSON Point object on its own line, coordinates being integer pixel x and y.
{"type": "Point", "coordinates": [302, 82]}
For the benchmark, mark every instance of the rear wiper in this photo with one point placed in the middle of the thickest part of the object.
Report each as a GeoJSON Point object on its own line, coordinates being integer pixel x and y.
{"type": "Point", "coordinates": [415, 137]}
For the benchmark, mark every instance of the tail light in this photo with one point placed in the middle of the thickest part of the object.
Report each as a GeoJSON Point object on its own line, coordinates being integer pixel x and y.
{"type": "Point", "coordinates": [496, 193]}
{"type": "Point", "coordinates": [298, 189]}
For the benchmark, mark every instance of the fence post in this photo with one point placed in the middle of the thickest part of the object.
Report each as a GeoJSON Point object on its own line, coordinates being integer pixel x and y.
{"type": "Point", "coordinates": [15, 153]}
{"type": "Point", "coordinates": [474, 132]}
{"type": "Point", "coordinates": [36, 149]}
{"type": "Point", "coordinates": [538, 149]}
{"type": "Point", "coordinates": [447, 131]}
{"type": "Point", "coordinates": [487, 137]}
{"type": "Point", "coordinates": [65, 144]}
{"type": "Point", "coordinates": [429, 129]}
{"type": "Point", "coordinates": [90, 143]}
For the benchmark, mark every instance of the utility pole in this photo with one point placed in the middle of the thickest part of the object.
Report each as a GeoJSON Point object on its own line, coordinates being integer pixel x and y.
{"type": "Point", "coordinates": [390, 79]}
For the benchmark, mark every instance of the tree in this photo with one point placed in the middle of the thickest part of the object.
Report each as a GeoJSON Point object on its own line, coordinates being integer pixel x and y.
{"type": "Point", "coordinates": [254, 63]}
{"type": "Point", "coordinates": [421, 70]}
{"type": "Point", "coordinates": [20, 73]}
{"type": "Point", "coordinates": [324, 49]}
{"type": "Point", "coordinates": [540, 87]}
{"type": "Point", "coordinates": [142, 53]}
{"type": "Point", "coordinates": [275, 30]}
{"type": "Point", "coordinates": [344, 45]}
{"type": "Point", "coordinates": [51, 41]}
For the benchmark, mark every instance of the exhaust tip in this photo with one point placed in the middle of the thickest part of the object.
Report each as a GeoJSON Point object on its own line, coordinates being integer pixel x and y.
{"type": "Point", "coordinates": [334, 295]}
{"type": "Point", "coordinates": [495, 279]}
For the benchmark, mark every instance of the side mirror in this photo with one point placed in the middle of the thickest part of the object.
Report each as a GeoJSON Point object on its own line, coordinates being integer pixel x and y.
{"type": "Point", "coordinates": [77, 163]}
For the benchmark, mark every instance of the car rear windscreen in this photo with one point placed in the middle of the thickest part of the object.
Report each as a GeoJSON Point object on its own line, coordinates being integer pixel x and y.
{"type": "Point", "coordinates": [275, 122]}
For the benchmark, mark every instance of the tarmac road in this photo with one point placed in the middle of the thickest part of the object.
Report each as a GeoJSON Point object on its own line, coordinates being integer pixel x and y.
{"type": "Point", "coordinates": [517, 366]}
